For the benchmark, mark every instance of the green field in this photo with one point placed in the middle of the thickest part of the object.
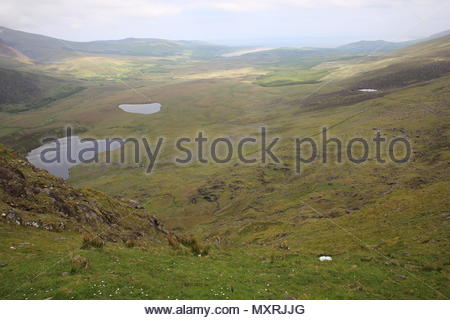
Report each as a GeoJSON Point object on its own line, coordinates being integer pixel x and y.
{"type": "Point", "coordinates": [289, 78]}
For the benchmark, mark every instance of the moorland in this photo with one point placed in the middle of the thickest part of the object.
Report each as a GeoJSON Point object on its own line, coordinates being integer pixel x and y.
{"type": "Point", "coordinates": [225, 231]}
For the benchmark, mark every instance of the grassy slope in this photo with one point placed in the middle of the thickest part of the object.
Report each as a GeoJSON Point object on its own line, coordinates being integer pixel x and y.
{"type": "Point", "coordinates": [274, 209]}
{"type": "Point", "coordinates": [35, 271]}
{"type": "Point", "coordinates": [288, 77]}
{"type": "Point", "coordinates": [22, 91]}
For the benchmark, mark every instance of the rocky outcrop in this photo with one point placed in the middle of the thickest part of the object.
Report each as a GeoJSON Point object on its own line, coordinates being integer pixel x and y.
{"type": "Point", "coordinates": [34, 198]}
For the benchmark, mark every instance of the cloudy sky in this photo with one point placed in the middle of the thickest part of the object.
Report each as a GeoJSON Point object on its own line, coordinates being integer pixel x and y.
{"type": "Point", "coordinates": [254, 22]}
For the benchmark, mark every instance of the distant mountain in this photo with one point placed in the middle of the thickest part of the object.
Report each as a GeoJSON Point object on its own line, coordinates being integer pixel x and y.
{"type": "Point", "coordinates": [435, 48]}
{"type": "Point", "coordinates": [42, 49]}
{"type": "Point", "coordinates": [47, 49]}
{"type": "Point", "coordinates": [437, 35]}
{"type": "Point", "coordinates": [148, 47]}
{"type": "Point", "coordinates": [36, 47]}
{"type": "Point", "coordinates": [381, 46]}
{"type": "Point", "coordinates": [368, 47]}
{"type": "Point", "coordinates": [308, 57]}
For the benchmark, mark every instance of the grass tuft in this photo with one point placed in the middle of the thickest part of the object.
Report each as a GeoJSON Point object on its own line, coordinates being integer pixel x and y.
{"type": "Point", "coordinates": [78, 263]}
{"type": "Point", "coordinates": [196, 247]}
{"type": "Point", "coordinates": [90, 240]}
{"type": "Point", "coordinates": [131, 243]}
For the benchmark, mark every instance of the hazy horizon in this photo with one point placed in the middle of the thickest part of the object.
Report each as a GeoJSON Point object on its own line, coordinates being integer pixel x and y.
{"type": "Point", "coordinates": [231, 22]}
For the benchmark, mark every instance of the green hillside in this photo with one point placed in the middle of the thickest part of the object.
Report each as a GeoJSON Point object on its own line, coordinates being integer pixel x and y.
{"type": "Point", "coordinates": [234, 230]}
{"type": "Point", "coordinates": [23, 91]}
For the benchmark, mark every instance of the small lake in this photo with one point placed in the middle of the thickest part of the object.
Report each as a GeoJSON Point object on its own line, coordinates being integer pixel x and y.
{"type": "Point", "coordinates": [368, 90]}
{"type": "Point", "coordinates": [147, 108]}
{"type": "Point", "coordinates": [72, 151]}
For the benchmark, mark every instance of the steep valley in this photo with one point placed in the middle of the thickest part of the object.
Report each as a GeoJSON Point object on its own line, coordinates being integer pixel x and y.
{"type": "Point", "coordinates": [233, 230]}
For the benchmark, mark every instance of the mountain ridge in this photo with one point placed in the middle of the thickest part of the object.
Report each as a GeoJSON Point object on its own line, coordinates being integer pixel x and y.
{"type": "Point", "coordinates": [382, 46]}
{"type": "Point", "coordinates": [45, 49]}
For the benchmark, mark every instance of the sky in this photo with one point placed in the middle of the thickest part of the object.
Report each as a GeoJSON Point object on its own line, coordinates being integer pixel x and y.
{"type": "Point", "coordinates": [232, 22]}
